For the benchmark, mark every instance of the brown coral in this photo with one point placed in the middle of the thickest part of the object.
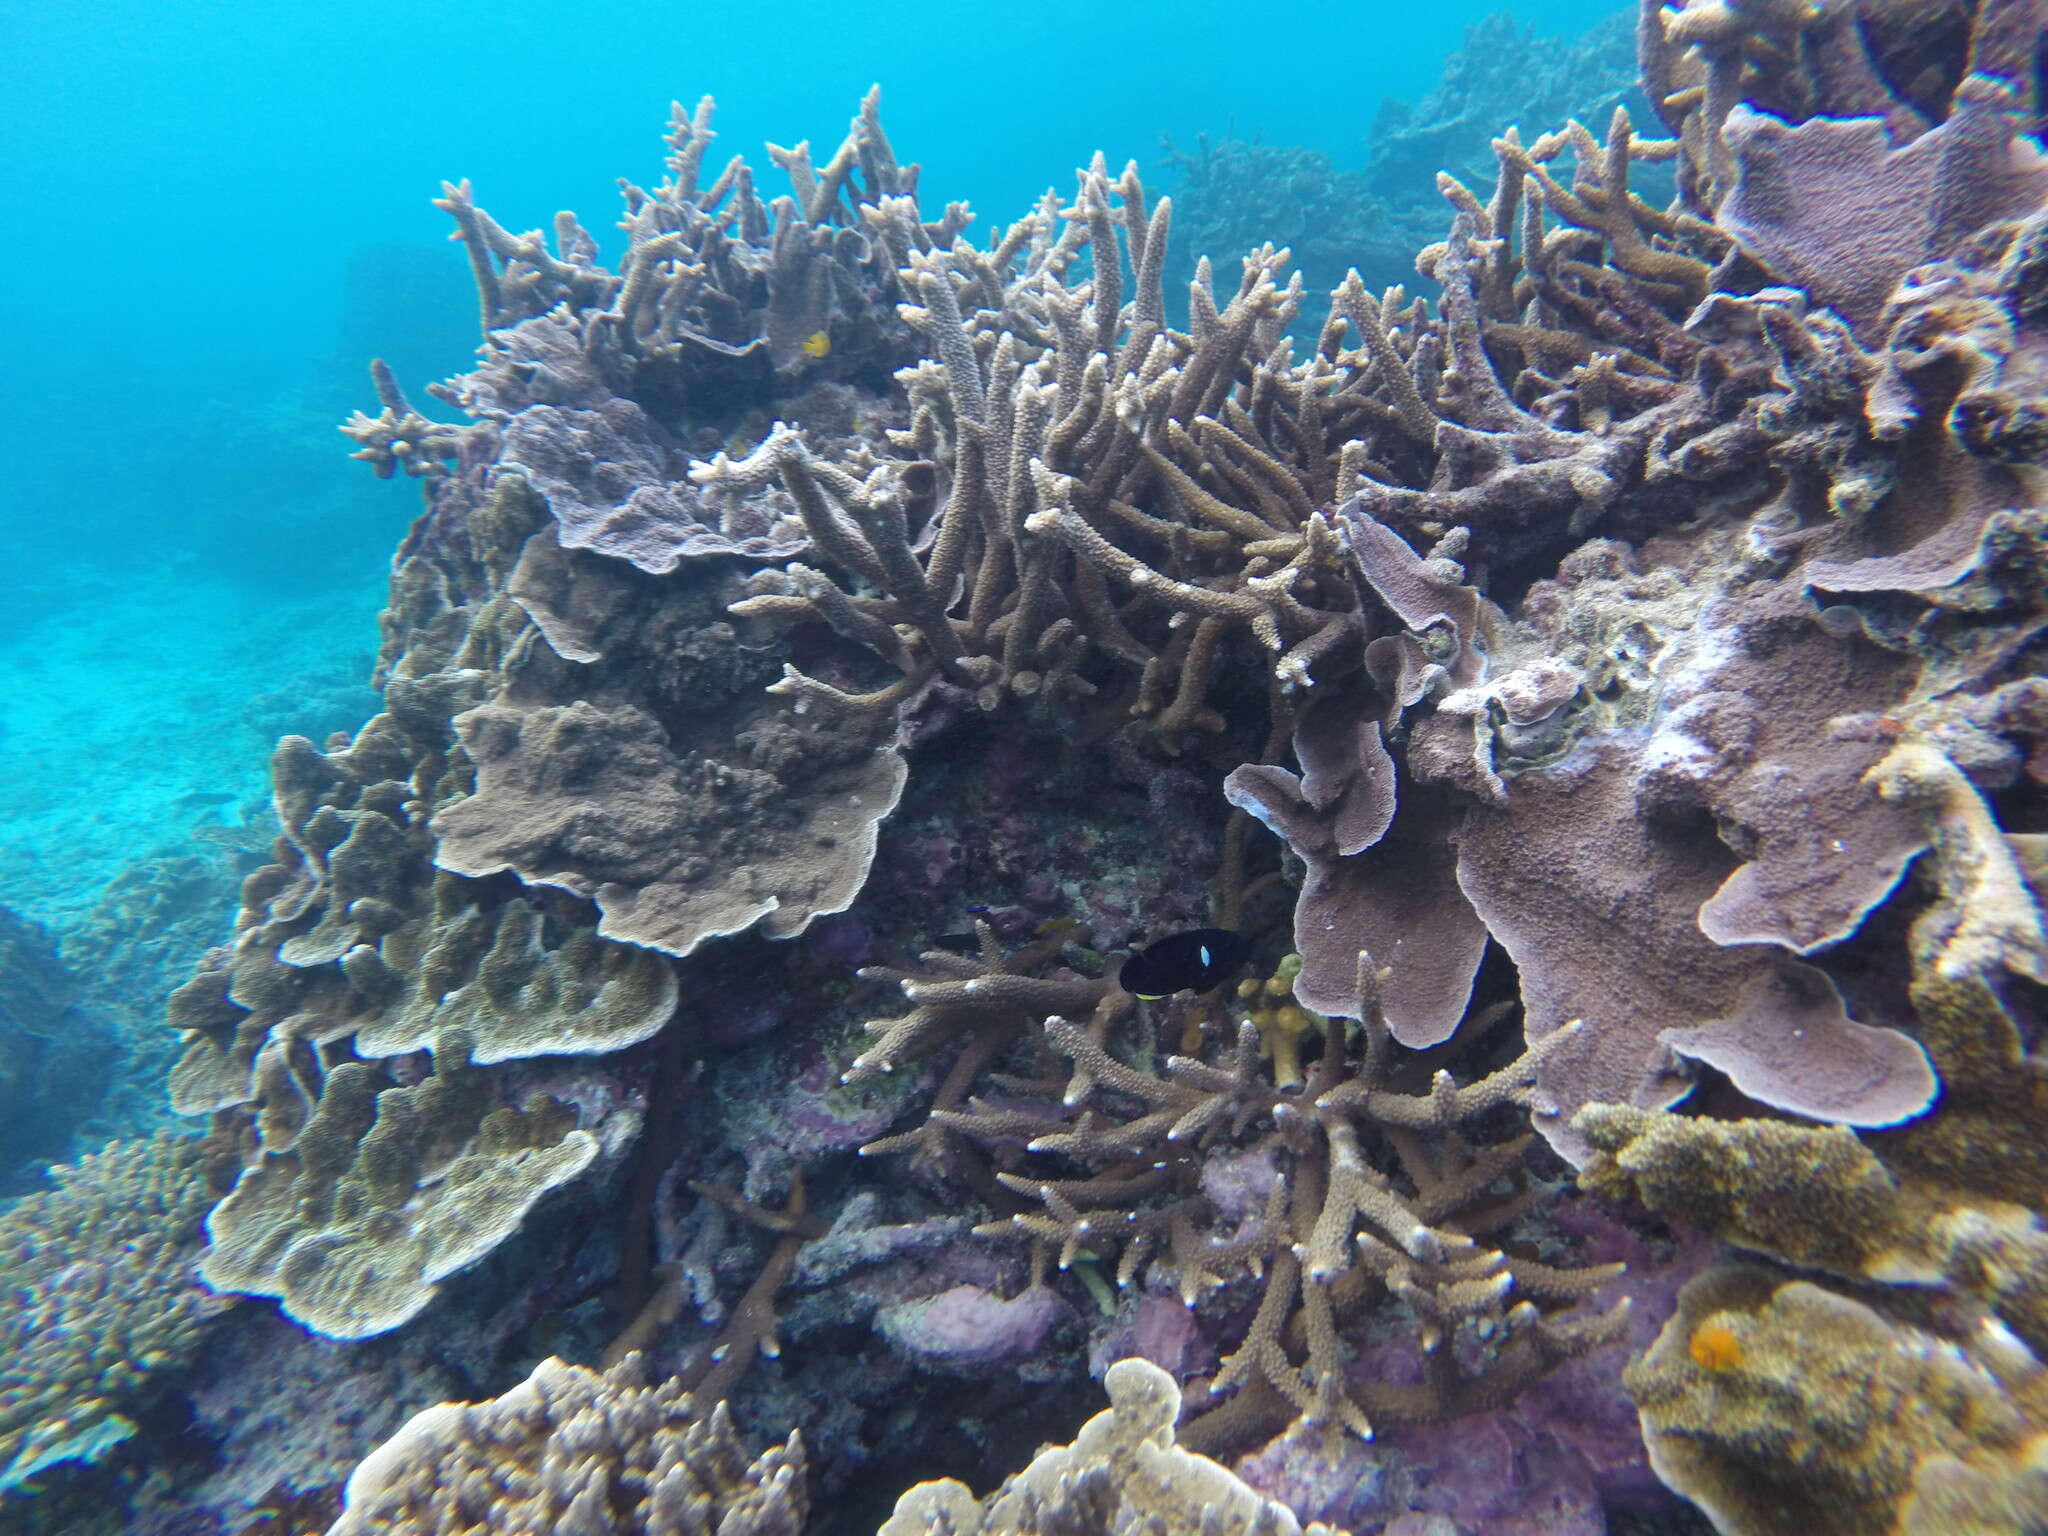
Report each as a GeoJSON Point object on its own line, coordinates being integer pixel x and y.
{"type": "Point", "coordinates": [387, 1191]}
{"type": "Point", "coordinates": [1123, 1472]}
{"type": "Point", "coordinates": [1837, 1419]}
{"type": "Point", "coordinates": [572, 1449]}
{"type": "Point", "coordinates": [1692, 750]}
{"type": "Point", "coordinates": [1917, 1398]}
{"type": "Point", "coordinates": [1116, 1174]}
{"type": "Point", "coordinates": [102, 1300]}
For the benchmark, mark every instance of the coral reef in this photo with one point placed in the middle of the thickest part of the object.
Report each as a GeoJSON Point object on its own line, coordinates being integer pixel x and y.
{"type": "Point", "coordinates": [1636, 655]}
{"type": "Point", "coordinates": [1906, 1392]}
{"type": "Point", "coordinates": [48, 1043]}
{"type": "Point", "coordinates": [1233, 193]}
{"type": "Point", "coordinates": [1505, 73]}
{"type": "Point", "coordinates": [355, 1220]}
{"type": "Point", "coordinates": [1209, 1171]}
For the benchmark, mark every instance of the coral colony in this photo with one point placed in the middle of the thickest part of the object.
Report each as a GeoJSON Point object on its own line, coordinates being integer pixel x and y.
{"type": "Point", "coordinates": [1564, 751]}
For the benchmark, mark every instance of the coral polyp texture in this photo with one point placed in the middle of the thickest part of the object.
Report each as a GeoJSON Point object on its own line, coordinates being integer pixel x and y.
{"type": "Point", "coordinates": [103, 1304]}
{"type": "Point", "coordinates": [1123, 1472]}
{"type": "Point", "coordinates": [1604, 691]}
{"type": "Point", "coordinates": [572, 1449]}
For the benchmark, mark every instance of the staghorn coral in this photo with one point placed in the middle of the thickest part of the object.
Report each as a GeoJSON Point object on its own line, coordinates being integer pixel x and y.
{"type": "Point", "coordinates": [1122, 1473]}
{"type": "Point", "coordinates": [102, 1303]}
{"type": "Point", "coordinates": [1048, 412]}
{"type": "Point", "coordinates": [1675, 693]}
{"type": "Point", "coordinates": [570, 1448]}
{"type": "Point", "coordinates": [1123, 1149]}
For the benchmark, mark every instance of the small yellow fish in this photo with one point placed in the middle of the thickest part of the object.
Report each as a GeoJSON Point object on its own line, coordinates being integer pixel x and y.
{"type": "Point", "coordinates": [817, 344]}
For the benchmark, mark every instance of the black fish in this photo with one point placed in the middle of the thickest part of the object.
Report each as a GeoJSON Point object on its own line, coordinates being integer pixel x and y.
{"type": "Point", "coordinates": [1193, 961]}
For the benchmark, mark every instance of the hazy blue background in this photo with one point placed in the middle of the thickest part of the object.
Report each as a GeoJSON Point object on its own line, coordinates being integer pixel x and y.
{"type": "Point", "coordinates": [216, 212]}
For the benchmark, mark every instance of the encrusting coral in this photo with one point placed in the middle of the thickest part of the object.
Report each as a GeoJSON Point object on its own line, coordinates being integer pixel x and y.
{"type": "Point", "coordinates": [572, 1449]}
{"type": "Point", "coordinates": [1906, 1391]}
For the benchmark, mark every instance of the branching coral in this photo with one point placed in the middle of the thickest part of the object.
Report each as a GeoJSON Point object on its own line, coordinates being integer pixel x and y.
{"type": "Point", "coordinates": [1630, 609]}
{"type": "Point", "coordinates": [1596, 375]}
{"type": "Point", "coordinates": [575, 770]}
{"type": "Point", "coordinates": [572, 1449]}
{"type": "Point", "coordinates": [101, 1300]}
{"type": "Point", "coordinates": [1120, 1151]}
{"type": "Point", "coordinates": [1049, 416]}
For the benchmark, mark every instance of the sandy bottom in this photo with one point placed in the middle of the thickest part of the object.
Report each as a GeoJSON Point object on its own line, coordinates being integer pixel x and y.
{"type": "Point", "coordinates": [126, 703]}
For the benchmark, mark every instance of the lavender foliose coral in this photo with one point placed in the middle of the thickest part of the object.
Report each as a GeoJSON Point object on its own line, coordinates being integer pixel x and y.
{"type": "Point", "coordinates": [1893, 1382]}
